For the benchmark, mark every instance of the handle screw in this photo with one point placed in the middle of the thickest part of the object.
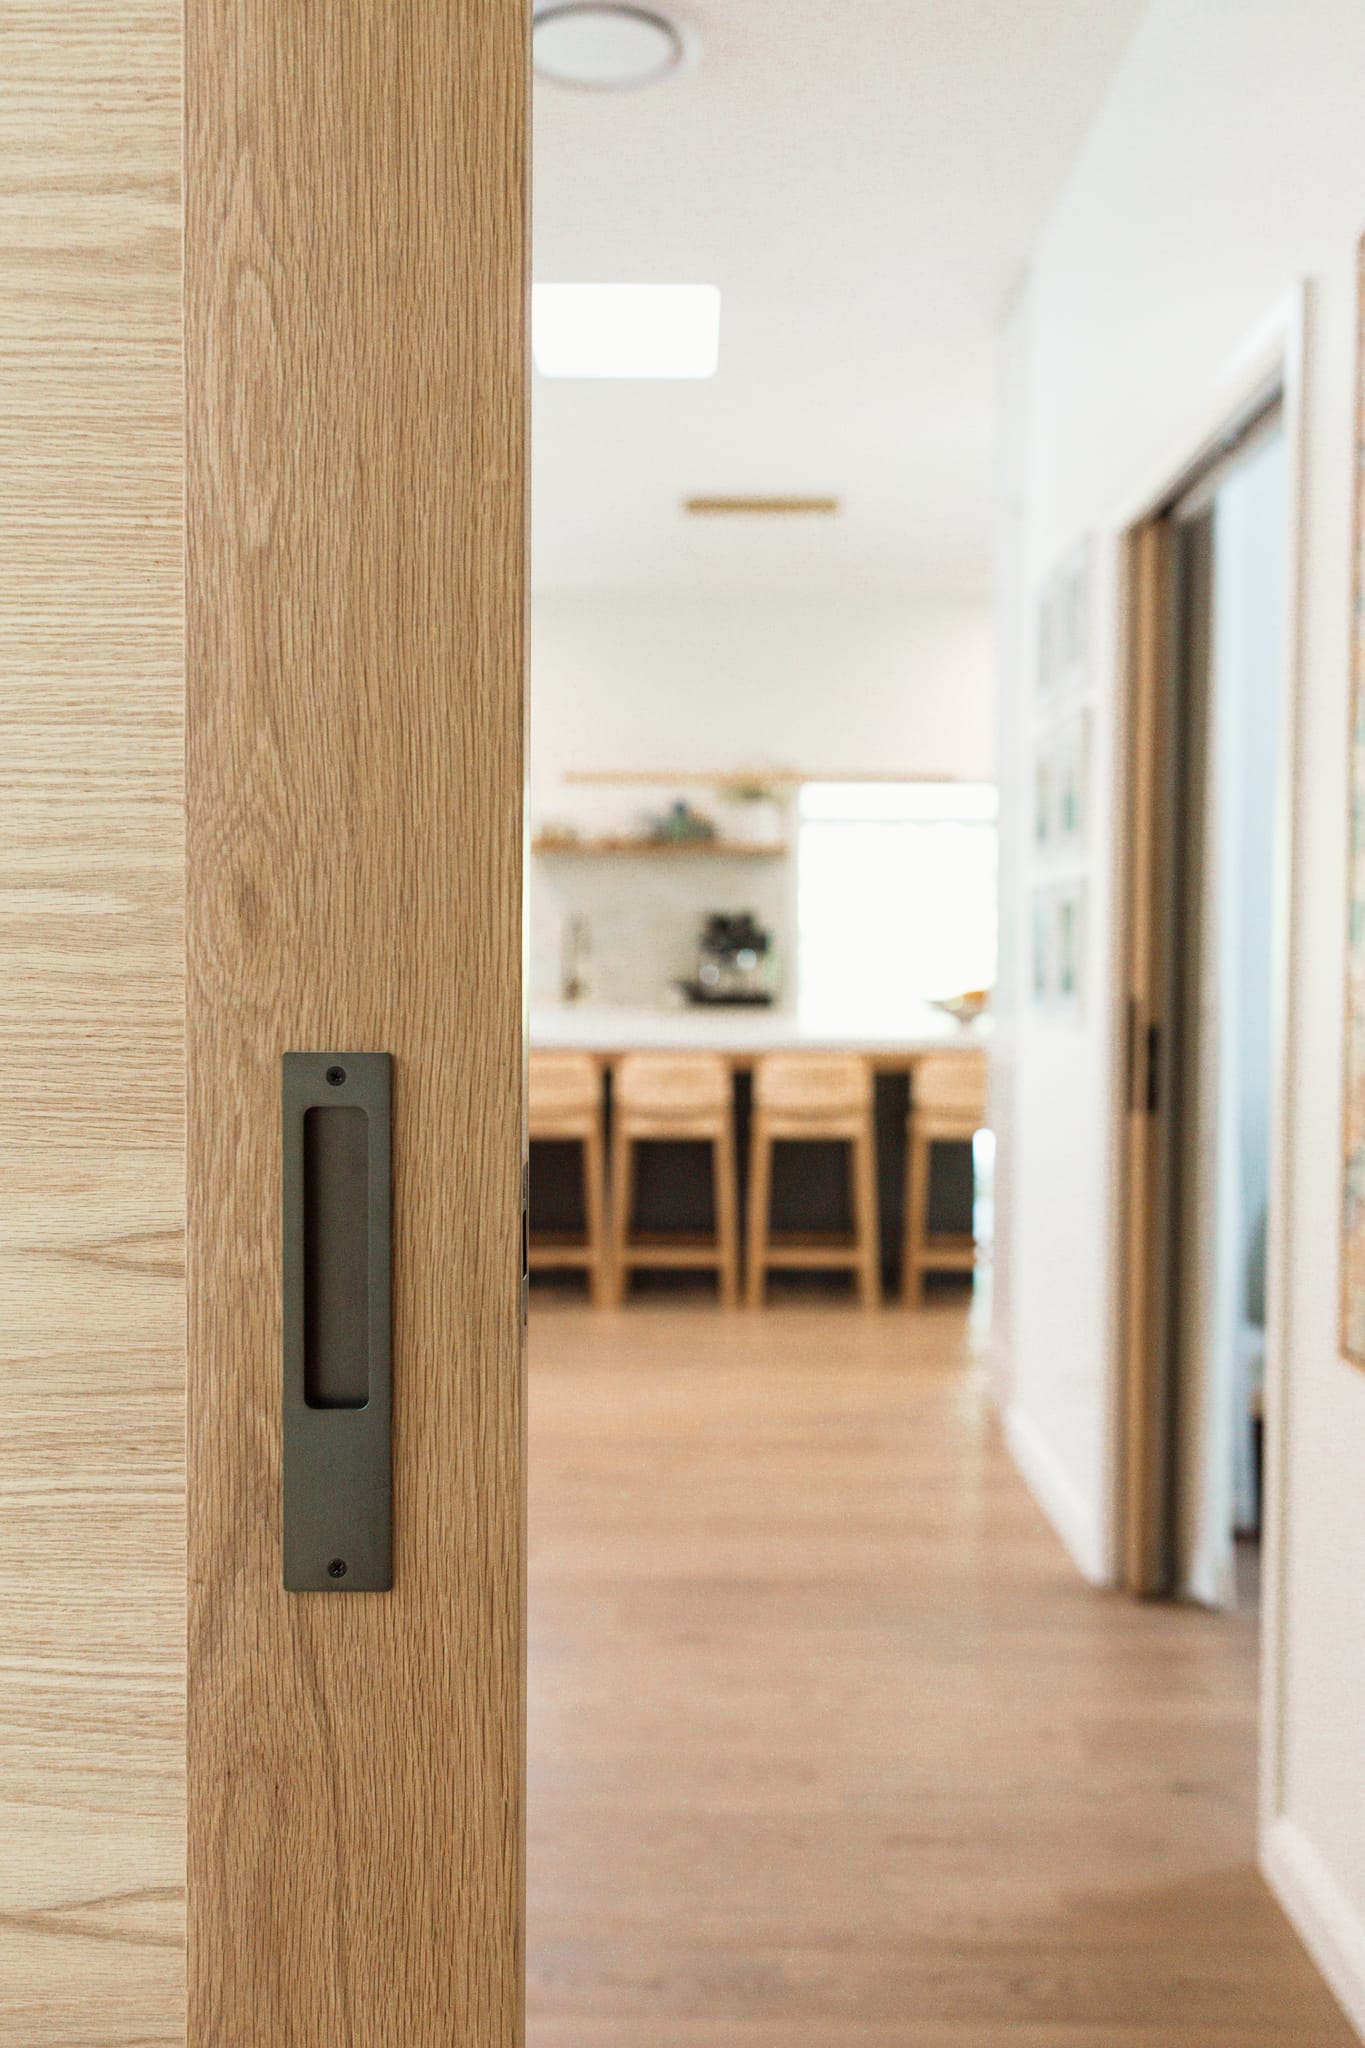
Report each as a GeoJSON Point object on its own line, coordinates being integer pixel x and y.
{"type": "Point", "coordinates": [337, 1568]}
{"type": "Point", "coordinates": [336, 1075]}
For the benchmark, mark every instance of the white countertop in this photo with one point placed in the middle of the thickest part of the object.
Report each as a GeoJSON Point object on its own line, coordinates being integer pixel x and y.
{"type": "Point", "coordinates": [607, 1028]}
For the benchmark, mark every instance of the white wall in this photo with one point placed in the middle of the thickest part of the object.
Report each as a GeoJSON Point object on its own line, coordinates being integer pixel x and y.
{"type": "Point", "coordinates": [714, 682]}
{"type": "Point", "coordinates": [1014, 641]}
{"type": "Point", "coordinates": [1227, 163]}
{"type": "Point", "coordinates": [1250, 577]}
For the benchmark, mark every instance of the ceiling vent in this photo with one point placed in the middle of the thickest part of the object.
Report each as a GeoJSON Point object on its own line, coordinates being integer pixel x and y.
{"type": "Point", "coordinates": [762, 508]}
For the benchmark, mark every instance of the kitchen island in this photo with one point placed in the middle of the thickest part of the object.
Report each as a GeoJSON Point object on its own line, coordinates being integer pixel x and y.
{"type": "Point", "coordinates": [742, 1033]}
{"type": "Point", "coordinates": [809, 1191]}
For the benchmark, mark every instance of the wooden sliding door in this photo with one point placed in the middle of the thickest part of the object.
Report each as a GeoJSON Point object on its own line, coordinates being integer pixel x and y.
{"type": "Point", "coordinates": [91, 1002]}
{"type": "Point", "coordinates": [1147, 1136]}
{"type": "Point", "coordinates": [1186, 938]}
{"type": "Point", "coordinates": [356, 293]}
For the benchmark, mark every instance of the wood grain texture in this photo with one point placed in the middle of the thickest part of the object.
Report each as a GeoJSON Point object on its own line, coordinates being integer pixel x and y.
{"type": "Point", "coordinates": [91, 1246]}
{"type": "Point", "coordinates": [829, 1745]}
{"type": "Point", "coordinates": [355, 287]}
{"type": "Point", "coordinates": [1145, 1190]}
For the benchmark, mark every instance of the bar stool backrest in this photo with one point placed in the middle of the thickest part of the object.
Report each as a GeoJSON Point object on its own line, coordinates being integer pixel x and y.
{"type": "Point", "coordinates": [562, 1084]}
{"type": "Point", "coordinates": [812, 1084]}
{"type": "Point", "coordinates": [662, 1084]}
{"type": "Point", "coordinates": [951, 1085]}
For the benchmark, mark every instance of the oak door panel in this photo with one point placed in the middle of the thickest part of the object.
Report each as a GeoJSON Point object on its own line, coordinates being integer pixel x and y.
{"type": "Point", "coordinates": [355, 282]}
{"type": "Point", "coordinates": [91, 993]}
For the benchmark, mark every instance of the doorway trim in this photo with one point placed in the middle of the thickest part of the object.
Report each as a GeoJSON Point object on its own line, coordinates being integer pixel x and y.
{"type": "Point", "coordinates": [1269, 366]}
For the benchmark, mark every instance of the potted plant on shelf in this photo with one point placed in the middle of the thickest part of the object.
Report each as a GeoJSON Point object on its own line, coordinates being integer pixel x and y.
{"type": "Point", "coordinates": [753, 811]}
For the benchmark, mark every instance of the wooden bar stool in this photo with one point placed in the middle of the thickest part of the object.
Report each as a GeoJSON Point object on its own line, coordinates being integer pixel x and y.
{"type": "Point", "coordinates": [947, 1106]}
{"type": "Point", "coordinates": [666, 1096]}
{"type": "Point", "coordinates": [820, 1097]}
{"type": "Point", "coordinates": [565, 1104]}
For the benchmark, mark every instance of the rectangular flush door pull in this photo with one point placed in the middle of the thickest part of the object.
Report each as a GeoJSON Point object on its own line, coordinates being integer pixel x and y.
{"type": "Point", "coordinates": [336, 1255]}
{"type": "Point", "coordinates": [337, 1344]}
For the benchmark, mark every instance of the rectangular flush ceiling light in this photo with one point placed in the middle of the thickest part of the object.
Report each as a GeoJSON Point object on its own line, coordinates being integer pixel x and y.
{"type": "Point", "coordinates": [625, 330]}
{"type": "Point", "coordinates": [761, 508]}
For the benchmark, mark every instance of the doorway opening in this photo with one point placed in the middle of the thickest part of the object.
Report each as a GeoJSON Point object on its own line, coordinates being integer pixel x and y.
{"type": "Point", "coordinates": [802, 1651]}
{"type": "Point", "coordinates": [1206, 962]}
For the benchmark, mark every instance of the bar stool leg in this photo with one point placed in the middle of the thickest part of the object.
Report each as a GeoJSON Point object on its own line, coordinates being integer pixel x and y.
{"type": "Point", "coordinates": [916, 1219]}
{"type": "Point", "coordinates": [599, 1261]}
{"type": "Point", "coordinates": [622, 1179]}
{"type": "Point", "coordinates": [727, 1217]}
{"type": "Point", "coordinates": [760, 1194]}
{"type": "Point", "coordinates": [867, 1229]}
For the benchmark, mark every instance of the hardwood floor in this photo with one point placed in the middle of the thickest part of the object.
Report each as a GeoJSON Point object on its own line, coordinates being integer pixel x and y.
{"type": "Point", "coordinates": [830, 1748]}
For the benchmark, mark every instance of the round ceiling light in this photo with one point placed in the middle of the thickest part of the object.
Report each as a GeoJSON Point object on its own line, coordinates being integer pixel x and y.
{"type": "Point", "coordinates": [606, 45]}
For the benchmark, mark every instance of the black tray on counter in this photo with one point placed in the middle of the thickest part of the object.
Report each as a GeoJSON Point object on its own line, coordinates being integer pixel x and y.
{"type": "Point", "coordinates": [698, 993]}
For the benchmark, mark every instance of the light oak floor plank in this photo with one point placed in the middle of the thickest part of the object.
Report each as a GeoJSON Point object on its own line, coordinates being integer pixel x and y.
{"type": "Point", "coordinates": [829, 1746]}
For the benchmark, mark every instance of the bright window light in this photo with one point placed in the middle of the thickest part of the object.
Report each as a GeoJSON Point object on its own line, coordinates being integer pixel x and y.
{"type": "Point", "coordinates": [896, 898]}
{"type": "Point", "coordinates": [625, 330]}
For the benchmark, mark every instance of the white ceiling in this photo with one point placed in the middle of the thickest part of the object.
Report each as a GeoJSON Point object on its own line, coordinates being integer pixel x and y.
{"type": "Point", "coordinates": [864, 179]}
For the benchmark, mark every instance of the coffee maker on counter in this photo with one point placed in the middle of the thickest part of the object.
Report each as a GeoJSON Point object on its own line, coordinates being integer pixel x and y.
{"type": "Point", "coordinates": [734, 961]}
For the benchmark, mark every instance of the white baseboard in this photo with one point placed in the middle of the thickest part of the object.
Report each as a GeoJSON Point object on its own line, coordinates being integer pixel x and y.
{"type": "Point", "coordinates": [1324, 1918]}
{"type": "Point", "coordinates": [1052, 1487]}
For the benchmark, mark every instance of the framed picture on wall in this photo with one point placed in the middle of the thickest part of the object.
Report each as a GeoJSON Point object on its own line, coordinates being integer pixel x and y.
{"type": "Point", "coordinates": [1040, 979]}
{"type": "Point", "coordinates": [1069, 944]}
{"type": "Point", "coordinates": [1061, 785]}
{"type": "Point", "coordinates": [1071, 755]}
{"type": "Point", "coordinates": [1064, 614]}
{"type": "Point", "coordinates": [1042, 798]}
{"type": "Point", "coordinates": [1057, 974]}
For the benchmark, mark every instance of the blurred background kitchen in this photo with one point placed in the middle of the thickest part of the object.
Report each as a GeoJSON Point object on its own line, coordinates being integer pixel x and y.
{"type": "Point", "coordinates": [763, 824]}
{"type": "Point", "coordinates": [763, 813]}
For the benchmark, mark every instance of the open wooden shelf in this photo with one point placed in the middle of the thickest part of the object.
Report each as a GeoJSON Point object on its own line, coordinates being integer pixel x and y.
{"type": "Point", "coordinates": [654, 849]}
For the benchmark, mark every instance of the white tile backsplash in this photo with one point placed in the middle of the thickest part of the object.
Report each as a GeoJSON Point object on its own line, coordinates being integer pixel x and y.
{"type": "Point", "coordinates": [644, 915]}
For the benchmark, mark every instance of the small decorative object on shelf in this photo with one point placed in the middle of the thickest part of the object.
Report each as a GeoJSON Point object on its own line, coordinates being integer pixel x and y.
{"type": "Point", "coordinates": [753, 811]}
{"type": "Point", "coordinates": [681, 825]}
{"type": "Point", "coordinates": [966, 1008]}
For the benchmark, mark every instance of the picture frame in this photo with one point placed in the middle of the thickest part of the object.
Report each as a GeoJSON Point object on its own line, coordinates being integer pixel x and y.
{"type": "Point", "coordinates": [1064, 629]}
{"type": "Point", "coordinates": [1058, 943]}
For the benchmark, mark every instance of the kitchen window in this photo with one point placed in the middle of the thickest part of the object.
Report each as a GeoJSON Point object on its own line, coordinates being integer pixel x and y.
{"type": "Point", "coordinates": [896, 898]}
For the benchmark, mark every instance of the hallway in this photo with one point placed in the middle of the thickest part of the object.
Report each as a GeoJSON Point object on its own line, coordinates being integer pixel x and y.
{"type": "Point", "coordinates": [829, 1746]}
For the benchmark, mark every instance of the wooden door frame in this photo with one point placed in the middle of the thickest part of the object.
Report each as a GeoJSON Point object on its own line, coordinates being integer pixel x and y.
{"type": "Point", "coordinates": [1144, 1502]}
{"type": "Point", "coordinates": [1269, 366]}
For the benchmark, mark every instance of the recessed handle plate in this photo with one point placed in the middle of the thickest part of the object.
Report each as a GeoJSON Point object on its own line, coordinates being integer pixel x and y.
{"type": "Point", "coordinates": [337, 1199]}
